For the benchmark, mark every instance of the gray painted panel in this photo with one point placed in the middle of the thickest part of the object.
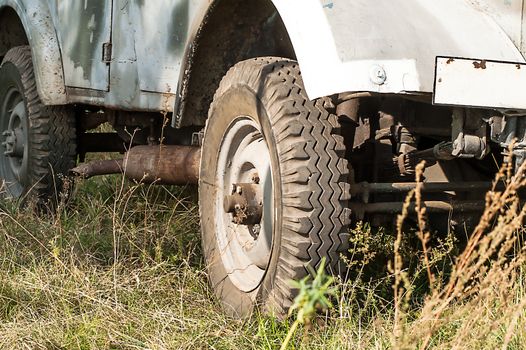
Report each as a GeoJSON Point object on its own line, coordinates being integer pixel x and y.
{"type": "Point", "coordinates": [83, 27]}
{"type": "Point", "coordinates": [161, 34]}
{"type": "Point", "coordinates": [149, 43]}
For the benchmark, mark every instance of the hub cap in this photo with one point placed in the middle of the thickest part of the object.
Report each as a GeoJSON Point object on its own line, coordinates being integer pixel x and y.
{"type": "Point", "coordinates": [14, 148]}
{"type": "Point", "coordinates": [244, 204]}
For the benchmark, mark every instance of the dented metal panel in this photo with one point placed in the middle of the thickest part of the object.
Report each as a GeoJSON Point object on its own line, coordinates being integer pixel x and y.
{"type": "Point", "coordinates": [150, 40]}
{"type": "Point", "coordinates": [160, 42]}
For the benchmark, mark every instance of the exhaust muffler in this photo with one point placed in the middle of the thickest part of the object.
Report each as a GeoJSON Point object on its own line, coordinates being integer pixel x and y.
{"type": "Point", "coordinates": [163, 165]}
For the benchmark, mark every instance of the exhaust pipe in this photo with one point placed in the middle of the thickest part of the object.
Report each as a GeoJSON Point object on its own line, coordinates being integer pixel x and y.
{"type": "Point", "coordinates": [162, 165]}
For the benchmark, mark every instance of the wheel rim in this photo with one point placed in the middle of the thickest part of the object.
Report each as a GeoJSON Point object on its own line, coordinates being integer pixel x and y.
{"type": "Point", "coordinates": [245, 248]}
{"type": "Point", "coordinates": [14, 147]}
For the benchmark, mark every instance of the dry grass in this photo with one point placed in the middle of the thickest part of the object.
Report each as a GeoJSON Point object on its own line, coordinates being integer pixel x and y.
{"type": "Point", "coordinates": [482, 305]}
{"type": "Point", "coordinates": [121, 268]}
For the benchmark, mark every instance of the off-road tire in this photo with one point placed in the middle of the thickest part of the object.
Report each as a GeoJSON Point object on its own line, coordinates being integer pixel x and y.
{"type": "Point", "coordinates": [50, 136]}
{"type": "Point", "coordinates": [310, 175]}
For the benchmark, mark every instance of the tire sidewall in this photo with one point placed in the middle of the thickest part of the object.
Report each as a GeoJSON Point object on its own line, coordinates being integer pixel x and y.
{"type": "Point", "coordinates": [237, 101]}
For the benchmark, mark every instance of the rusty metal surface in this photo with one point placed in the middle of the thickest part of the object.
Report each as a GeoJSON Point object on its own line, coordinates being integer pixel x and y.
{"type": "Point", "coordinates": [163, 165]}
{"type": "Point", "coordinates": [431, 207]}
{"type": "Point", "coordinates": [245, 203]}
{"type": "Point", "coordinates": [98, 167]}
{"type": "Point", "coordinates": [364, 189]}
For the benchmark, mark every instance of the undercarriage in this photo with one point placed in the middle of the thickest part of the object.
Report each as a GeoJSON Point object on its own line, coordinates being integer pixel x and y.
{"type": "Point", "coordinates": [385, 137]}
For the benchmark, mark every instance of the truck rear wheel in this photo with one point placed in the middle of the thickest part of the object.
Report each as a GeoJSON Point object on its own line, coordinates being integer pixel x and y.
{"type": "Point", "coordinates": [273, 187]}
{"type": "Point", "coordinates": [38, 143]}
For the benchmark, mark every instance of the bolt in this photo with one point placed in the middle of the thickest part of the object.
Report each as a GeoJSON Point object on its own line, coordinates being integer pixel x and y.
{"type": "Point", "coordinates": [255, 178]}
{"type": "Point", "coordinates": [255, 231]}
{"type": "Point", "coordinates": [9, 143]}
{"type": "Point", "coordinates": [378, 75]}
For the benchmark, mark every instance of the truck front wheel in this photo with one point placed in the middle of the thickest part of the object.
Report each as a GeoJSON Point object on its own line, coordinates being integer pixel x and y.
{"type": "Point", "coordinates": [273, 187]}
{"type": "Point", "coordinates": [37, 142]}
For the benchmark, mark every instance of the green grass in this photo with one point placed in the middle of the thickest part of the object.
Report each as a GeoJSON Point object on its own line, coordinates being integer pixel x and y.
{"type": "Point", "coordinates": [121, 268]}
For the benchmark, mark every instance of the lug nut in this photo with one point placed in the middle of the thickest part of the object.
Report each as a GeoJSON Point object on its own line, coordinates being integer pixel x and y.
{"type": "Point", "coordinates": [256, 230]}
{"type": "Point", "coordinates": [9, 143]}
{"type": "Point", "coordinates": [255, 178]}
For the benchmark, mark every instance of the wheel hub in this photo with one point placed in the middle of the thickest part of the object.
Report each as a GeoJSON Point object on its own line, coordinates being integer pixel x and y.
{"type": "Point", "coordinates": [14, 148]}
{"type": "Point", "coordinates": [244, 204]}
{"type": "Point", "coordinates": [14, 142]}
{"type": "Point", "coordinates": [14, 134]}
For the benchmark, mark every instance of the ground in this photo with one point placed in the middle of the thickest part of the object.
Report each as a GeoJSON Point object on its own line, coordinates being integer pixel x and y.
{"type": "Point", "coordinates": [120, 267]}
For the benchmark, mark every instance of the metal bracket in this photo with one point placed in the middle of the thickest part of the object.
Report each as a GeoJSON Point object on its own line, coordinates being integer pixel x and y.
{"type": "Point", "coordinates": [469, 134]}
{"type": "Point", "coordinates": [197, 138]}
{"type": "Point", "coordinates": [513, 131]}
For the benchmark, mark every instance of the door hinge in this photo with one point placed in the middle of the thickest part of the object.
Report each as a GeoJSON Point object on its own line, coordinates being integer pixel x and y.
{"type": "Point", "coordinates": [106, 52]}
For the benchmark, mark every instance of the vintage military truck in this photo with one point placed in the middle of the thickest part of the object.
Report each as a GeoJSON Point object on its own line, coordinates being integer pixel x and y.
{"type": "Point", "coordinates": [210, 92]}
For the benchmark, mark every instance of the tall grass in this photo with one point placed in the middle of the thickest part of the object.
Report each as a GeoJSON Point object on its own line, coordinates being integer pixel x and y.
{"type": "Point", "coordinates": [121, 268]}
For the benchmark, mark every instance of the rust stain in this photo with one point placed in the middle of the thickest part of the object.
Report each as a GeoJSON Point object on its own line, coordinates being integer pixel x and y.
{"type": "Point", "coordinates": [518, 66]}
{"type": "Point", "coordinates": [480, 65]}
{"type": "Point", "coordinates": [439, 80]}
{"type": "Point", "coordinates": [450, 60]}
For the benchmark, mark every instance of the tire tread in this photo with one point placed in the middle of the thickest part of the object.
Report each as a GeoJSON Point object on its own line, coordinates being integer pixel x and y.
{"type": "Point", "coordinates": [52, 132]}
{"type": "Point", "coordinates": [313, 169]}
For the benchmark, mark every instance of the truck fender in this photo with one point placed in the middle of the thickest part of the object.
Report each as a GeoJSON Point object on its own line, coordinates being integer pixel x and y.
{"type": "Point", "coordinates": [36, 19]}
{"type": "Point", "coordinates": [387, 46]}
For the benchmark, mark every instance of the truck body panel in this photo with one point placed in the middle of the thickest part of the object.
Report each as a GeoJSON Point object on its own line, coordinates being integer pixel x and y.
{"type": "Point", "coordinates": [84, 29]}
{"type": "Point", "coordinates": [388, 46]}
{"type": "Point", "coordinates": [136, 55]}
